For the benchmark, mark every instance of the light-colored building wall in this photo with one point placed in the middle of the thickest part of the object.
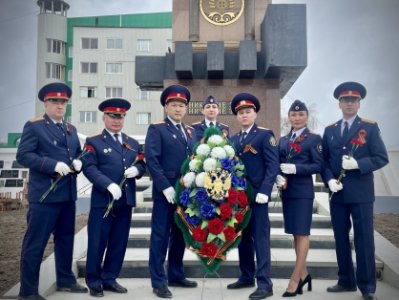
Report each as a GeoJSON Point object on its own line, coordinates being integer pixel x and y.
{"type": "Point", "coordinates": [160, 40]}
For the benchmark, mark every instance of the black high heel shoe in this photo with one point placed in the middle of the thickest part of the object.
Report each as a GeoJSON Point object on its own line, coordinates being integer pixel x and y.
{"type": "Point", "coordinates": [297, 291]}
{"type": "Point", "coordinates": [307, 280]}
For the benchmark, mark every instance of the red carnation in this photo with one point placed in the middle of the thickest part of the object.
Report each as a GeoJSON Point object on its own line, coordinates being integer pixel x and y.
{"type": "Point", "coordinates": [229, 233]}
{"type": "Point", "coordinates": [242, 199]}
{"type": "Point", "coordinates": [209, 249]}
{"type": "Point", "coordinates": [199, 234]}
{"type": "Point", "coordinates": [357, 142]}
{"type": "Point", "coordinates": [296, 147]}
{"type": "Point", "coordinates": [215, 226]}
{"type": "Point", "coordinates": [239, 217]}
{"type": "Point", "coordinates": [90, 148]}
{"type": "Point", "coordinates": [233, 196]}
{"type": "Point", "coordinates": [225, 211]}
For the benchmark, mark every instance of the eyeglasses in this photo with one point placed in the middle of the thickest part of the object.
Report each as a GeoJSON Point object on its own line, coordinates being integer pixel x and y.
{"type": "Point", "coordinates": [57, 100]}
{"type": "Point", "coordinates": [116, 116]}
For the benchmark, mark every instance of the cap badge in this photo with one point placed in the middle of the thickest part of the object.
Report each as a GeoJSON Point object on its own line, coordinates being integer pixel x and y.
{"type": "Point", "coordinates": [297, 107]}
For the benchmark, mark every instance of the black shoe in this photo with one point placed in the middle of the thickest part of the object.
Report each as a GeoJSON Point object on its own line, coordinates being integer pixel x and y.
{"type": "Point", "coordinates": [298, 290]}
{"type": "Point", "coordinates": [369, 296]}
{"type": "Point", "coordinates": [31, 297]}
{"type": "Point", "coordinates": [260, 294]}
{"type": "Point", "coordinates": [339, 289]}
{"type": "Point", "coordinates": [185, 283]}
{"type": "Point", "coordinates": [240, 285]}
{"type": "Point", "coordinates": [115, 287]}
{"type": "Point", "coordinates": [73, 288]}
{"type": "Point", "coordinates": [162, 292]}
{"type": "Point", "coordinates": [307, 280]}
{"type": "Point", "coordinates": [96, 291]}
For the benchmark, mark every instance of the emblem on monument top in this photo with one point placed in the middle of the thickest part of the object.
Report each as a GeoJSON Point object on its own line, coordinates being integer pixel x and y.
{"type": "Point", "coordinates": [221, 12]}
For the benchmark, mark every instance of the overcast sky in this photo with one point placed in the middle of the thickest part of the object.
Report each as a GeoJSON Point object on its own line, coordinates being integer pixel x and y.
{"type": "Point", "coordinates": [348, 40]}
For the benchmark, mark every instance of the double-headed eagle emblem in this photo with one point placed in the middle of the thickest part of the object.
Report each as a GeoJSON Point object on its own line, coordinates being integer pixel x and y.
{"type": "Point", "coordinates": [221, 12]}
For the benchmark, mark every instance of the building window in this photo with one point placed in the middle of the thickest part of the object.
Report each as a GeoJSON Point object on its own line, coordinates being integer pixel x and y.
{"type": "Point", "coordinates": [144, 45]}
{"type": "Point", "coordinates": [14, 183]}
{"type": "Point", "coordinates": [55, 71]}
{"type": "Point", "coordinates": [114, 43]}
{"type": "Point", "coordinates": [54, 46]}
{"type": "Point", "coordinates": [88, 91]}
{"type": "Point", "coordinates": [143, 118]}
{"type": "Point", "coordinates": [113, 68]}
{"type": "Point", "coordinates": [143, 95]}
{"type": "Point", "coordinates": [113, 92]}
{"type": "Point", "coordinates": [1, 163]}
{"type": "Point", "coordinates": [88, 67]}
{"type": "Point", "coordinates": [89, 43]}
{"type": "Point", "coordinates": [70, 52]}
{"type": "Point", "coordinates": [88, 116]}
{"type": "Point", "coordinates": [9, 174]}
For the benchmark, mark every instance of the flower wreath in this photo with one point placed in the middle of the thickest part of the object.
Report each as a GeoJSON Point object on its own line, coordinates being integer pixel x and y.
{"type": "Point", "coordinates": [212, 200]}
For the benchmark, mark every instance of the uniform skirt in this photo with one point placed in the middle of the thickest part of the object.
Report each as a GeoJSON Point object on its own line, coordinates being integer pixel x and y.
{"type": "Point", "coordinates": [297, 215]}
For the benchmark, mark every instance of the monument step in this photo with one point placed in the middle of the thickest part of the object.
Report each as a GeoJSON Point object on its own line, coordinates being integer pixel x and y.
{"type": "Point", "coordinates": [276, 220]}
{"type": "Point", "coordinates": [321, 264]}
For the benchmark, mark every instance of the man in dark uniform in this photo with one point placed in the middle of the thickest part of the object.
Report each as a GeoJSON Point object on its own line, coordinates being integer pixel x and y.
{"type": "Point", "coordinates": [353, 146]}
{"type": "Point", "coordinates": [113, 163]}
{"type": "Point", "coordinates": [49, 148]}
{"type": "Point", "coordinates": [168, 143]}
{"type": "Point", "coordinates": [257, 148]}
{"type": "Point", "coordinates": [210, 109]}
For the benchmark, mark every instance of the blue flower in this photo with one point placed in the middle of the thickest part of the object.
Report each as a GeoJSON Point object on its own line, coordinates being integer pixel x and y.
{"type": "Point", "coordinates": [208, 210]}
{"type": "Point", "coordinates": [243, 183]}
{"type": "Point", "coordinates": [235, 181]}
{"type": "Point", "coordinates": [185, 198]}
{"type": "Point", "coordinates": [226, 164]}
{"type": "Point", "coordinates": [194, 220]}
{"type": "Point", "coordinates": [201, 195]}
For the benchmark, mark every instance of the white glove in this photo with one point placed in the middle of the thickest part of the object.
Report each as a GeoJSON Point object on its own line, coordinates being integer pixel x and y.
{"type": "Point", "coordinates": [261, 198]}
{"type": "Point", "coordinates": [334, 186]}
{"type": "Point", "coordinates": [349, 163]}
{"type": "Point", "coordinates": [170, 194]}
{"type": "Point", "coordinates": [62, 168]}
{"type": "Point", "coordinates": [288, 168]}
{"type": "Point", "coordinates": [77, 165]}
{"type": "Point", "coordinates": [131, 172]}
{"type": "Point", "coordinates": [281, 181]}
{"type": "Point", "coordinates": [115, 191]}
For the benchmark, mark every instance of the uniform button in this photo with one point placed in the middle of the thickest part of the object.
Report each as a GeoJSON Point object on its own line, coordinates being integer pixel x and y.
{"type": "Point", "coordinates": [239, 154]}
{"type": "Point", "coordinates": [125, 167]}
{"type": "Point", "coordinates": [344, 147]}
{"type": "Point", "coordinates": [124, 159]}
{"type": "Point", "coordinates": [71, 158]}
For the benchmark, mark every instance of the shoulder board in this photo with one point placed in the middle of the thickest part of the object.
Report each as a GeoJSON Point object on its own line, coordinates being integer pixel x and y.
{"type": "Point", "coordinates": [225, 124]}
{"type": "Point", "coordinates": [264, 128]}
{"type": "Point", "coordinates": [332, 124]}
{"type": "Point", "coordinates": [368, 121]}
{"type": "Point", "coordinates": [196, 123]}
{"type": "Point", "coordinates": [99, 134]}
{"type": "Point", "coordinates": [159, 122]}
{"type": "Point", "coordinates": [187, 126]}
{"type": "Point", "coordinates": [314, 133]}
{"type": "Point", "coordinates": [37, 119]}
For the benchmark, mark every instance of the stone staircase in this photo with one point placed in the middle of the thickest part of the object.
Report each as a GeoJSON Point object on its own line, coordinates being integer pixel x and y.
{"type": "Point", "coordinates": [321, 259]}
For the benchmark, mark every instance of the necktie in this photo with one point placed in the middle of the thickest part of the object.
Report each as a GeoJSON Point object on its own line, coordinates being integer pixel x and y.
{"type": "Point", "coordinates": [242, 136]}
{"type": "Point", "coordinates": [293, 137]}
{"type": "Point", "coordinates": [178, 126]}
{"type": "Point", "coordinates": [345, 132]}
{"type": "Point", "coordinates": [61, 127]}
{"type": "Point", "coordinates": [211, 124]}
{"type": "Point", "coordinates": [116, 135]}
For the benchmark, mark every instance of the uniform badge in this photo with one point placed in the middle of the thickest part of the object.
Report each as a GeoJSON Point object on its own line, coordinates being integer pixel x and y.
{"type": "Point", "coordinates": [106, 150]}
{"type": "Point", "coordinates": [55, 143]}
{"type": "Point", "coordinates": [272, 141]}
{"type": "Point", "coordinates": [319, 148]}
{"type": "Point", "coordinates": [250, 148]}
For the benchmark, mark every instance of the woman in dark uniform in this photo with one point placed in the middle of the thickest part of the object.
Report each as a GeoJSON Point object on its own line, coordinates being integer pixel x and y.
{"type": "Point", "coordinates": [300, 157]}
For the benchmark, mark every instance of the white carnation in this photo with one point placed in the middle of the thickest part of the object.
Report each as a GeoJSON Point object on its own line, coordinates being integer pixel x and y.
{"type": "Point", "coordinates": [209, 164]}
{"type": "Point", "coordinates": [188, 179]}
{"type": "Point", "coordinates": [199, 180]}
{"type": "Point", "coordinates": [215, 139]}
{"type": "Point", "coordinates": [229, 151]}
{"type": "Point", "coordinates": [203, 149]}
{"type": "Point", "coordinates": [218, 153]}
{"type": "Point", "coordinates": [195, 165]}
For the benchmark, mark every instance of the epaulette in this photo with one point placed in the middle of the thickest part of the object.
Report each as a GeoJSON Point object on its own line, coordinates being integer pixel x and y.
{"type": "Point", "coordinates": [264, 128]}
{"type": "Point", "coordinates": [368, 121]}
{"type": "Point", "coordinates": [99, 134]}
{"type": "Point", "coordinates": [224, 124]}
{"type": "Point", "coordinates": [332, 124]}
{"type": "Point", "coordinates": [37, 119]}
{"type": "Point", "coordinates": [196, 123]}
{"type": "Point", "coordinates": [314, 133]}
{"type": "Point", "coordinates": [159, 122]}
